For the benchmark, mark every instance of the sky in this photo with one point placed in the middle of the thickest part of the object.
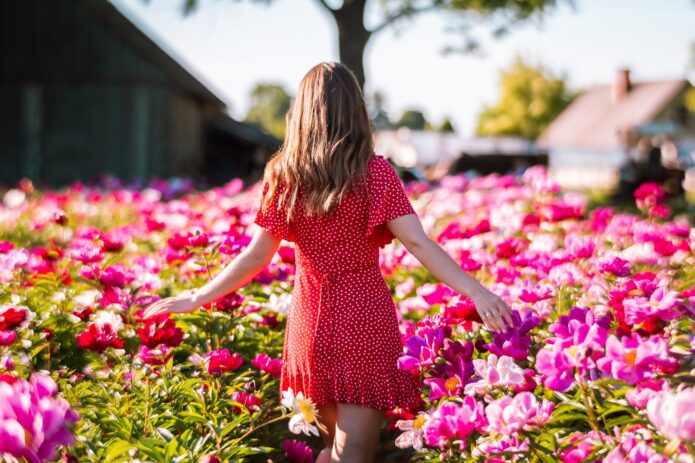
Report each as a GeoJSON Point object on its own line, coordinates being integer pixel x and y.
{"type": "Point", "coordinates": [232, 45]}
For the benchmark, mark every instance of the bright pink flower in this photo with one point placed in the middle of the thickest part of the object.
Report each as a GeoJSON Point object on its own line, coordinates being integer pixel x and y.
{"type": "Point", "coordinates": [87, 253]}
{"type": "Point", "coordinates": [114, 275]}
{"type": "Point", "coordinates": [250, 401]}
{"type": "Point", "coordinates": [272, 366]}
{"type": "Point", "coordinates": [673, 413]}
{"type": "Point", "coordinates": [615, 266]}
{"type": "Point", "coordinates": [210, 459]}
{"type": "Point", "coordinates": [635, 451]}
{"type": "Point", "coordinates": [649, 194]}
{"type": "Point", "coordinates": [661, 305]}
{"type": "Point", "coordinates": [509, 415]}
{"type": "Point", "coordinates": [644, 391]}
{"type": "Point", "coordinates": [454, 420]}
{"type": "Point", "coordinates": [221, 361]}
{"type": "Point", "coordinates": [198, 239]}
{"type": "Point", "coordinates": [297, 451]}
{"type": "Point", "coordinates": [633, 359]}
{"type": "Point", "coordinates": [33, 420]}
{"type": "Point", "coordinates": [583, 446]}
{"type": "Point", "coordinates": [7, 337]}
{"type": "Point", "coordinates": [155, 356]}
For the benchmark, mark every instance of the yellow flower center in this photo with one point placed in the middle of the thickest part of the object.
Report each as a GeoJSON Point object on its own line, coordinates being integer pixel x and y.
{"type": "Point", "coordinates": [27, 437]}
{"type": "Point", "coordinates": [419, 421]}
{"type": "Point", "coordinates": [451, 384]}
{"type": "Point", "coordinates": [307, 409]}
{"type": "Point", "coordinates": [572, 351]}
{"type": "Point", "coordinates": [631, 356]}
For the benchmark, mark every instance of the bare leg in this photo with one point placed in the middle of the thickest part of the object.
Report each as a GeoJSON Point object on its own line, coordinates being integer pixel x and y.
{"type": "Point", "coordinates": [356, 434]}
{"type": "Point", "coordinates": [327, 417]}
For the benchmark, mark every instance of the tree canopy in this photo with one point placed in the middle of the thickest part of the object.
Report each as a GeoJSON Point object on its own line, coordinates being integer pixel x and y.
{"type": "Point", "coordinates": [353, 33]}
{"type": "Point", "coordinates": [269, 105]}
{"type": "Point", "coordinates": [530, 98]}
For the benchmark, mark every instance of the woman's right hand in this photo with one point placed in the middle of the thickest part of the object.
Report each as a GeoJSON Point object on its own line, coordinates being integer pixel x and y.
{"type": "Point", "coordinates": [494, 312]}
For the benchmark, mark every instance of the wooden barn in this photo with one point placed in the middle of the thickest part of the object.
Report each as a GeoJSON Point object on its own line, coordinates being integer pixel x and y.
{"type": "Point", "coordinates": [85, 92]}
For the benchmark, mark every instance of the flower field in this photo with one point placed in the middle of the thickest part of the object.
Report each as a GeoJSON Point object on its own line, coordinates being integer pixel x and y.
{"type": "Point", "coordinates": [599, 366]}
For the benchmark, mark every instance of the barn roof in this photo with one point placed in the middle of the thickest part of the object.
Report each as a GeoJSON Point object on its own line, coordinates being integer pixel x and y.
{"type": "Point", "coordinates": [130, 34]}
{"type": "Point", "coordinates": [596, 119]}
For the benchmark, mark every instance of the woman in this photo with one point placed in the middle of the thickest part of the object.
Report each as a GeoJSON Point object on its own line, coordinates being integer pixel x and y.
{"type": "Point", "coordinates": [328, 192]}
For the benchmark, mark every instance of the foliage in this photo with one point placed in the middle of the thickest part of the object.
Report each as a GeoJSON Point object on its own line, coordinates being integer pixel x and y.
{"type": "Point", "coordinates": [350, 16]}
{"type": "Point", "coordinates": [601, 351]}
{"type": "Point", "coordinates": [413, 119]}
{"type": "Point", "coordinates": [269, 106]}
{"type": "Point", "coordinates": [530, 98]}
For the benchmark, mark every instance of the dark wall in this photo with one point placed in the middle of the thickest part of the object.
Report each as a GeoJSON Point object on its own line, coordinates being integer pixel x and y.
{"type": "Point", "coordinates": [78, 99]}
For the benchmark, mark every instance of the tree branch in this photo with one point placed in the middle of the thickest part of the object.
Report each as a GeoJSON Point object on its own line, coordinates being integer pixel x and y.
{"type": "Point", "coordinates": [404, 13]}
{"type": "Point", "coordinates": [326, 6]}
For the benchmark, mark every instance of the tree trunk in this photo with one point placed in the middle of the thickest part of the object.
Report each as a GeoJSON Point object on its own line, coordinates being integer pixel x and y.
{"type": "Point", "coordinates": [352, 36]}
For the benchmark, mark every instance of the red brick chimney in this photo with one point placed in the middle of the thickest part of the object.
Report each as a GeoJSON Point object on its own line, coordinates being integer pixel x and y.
{"type": "Point", "coordinates": [622, 85]}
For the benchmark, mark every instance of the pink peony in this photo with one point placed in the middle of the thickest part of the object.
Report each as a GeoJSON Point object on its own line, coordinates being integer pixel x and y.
{"type": "Point", "coordinates": [269, 365]}
{"type": "Point", "coordinates": [297, 451]}
{"type": "Point", "coordinates": [673, 413]}
{"type": "Point", "coordinates": [509, 415]}
{"type": "Point", "coordinates": [633, 359]}
{"type": "Point", "coordinates": [494, 372]}
{"type": "Point", "coordinates": [454, 420]}
{"type": "Point", "coordinates": [33, 421]}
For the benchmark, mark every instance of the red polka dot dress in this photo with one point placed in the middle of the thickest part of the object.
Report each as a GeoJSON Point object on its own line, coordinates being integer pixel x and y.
{"type": "Point", "coordinates": [342, 340]}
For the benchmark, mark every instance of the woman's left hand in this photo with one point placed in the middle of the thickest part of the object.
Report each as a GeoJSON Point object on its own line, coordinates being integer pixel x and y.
{"type": "Point", "coordinates": [176, 304]}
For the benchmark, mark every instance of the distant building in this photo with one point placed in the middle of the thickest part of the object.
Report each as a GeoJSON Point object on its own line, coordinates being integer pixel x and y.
{"type": "Point", "coordinates": [85, 92]}
{"type": "Point", "coordinates": [609, 125]}
{"type": "Point", "coordinates": [432, 154]}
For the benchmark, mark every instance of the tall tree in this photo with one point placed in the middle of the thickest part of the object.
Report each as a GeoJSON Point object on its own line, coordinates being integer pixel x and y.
{"type": "Point", "coordinates": [690, 96]}
{"type": "Point", "coordinates": [269, 105]}
{"type": "Point", "coordinates": [446, 126]}
{"type": "Point", "coordinates": [530, 98]}
{"type": "Point", "coordinates": [353, 33]}
{"type": "Point", "coordinates": [413, 119]}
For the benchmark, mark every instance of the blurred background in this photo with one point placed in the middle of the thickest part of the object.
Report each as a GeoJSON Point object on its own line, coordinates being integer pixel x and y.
{"type": "Point", "coordinates": [134, 90]}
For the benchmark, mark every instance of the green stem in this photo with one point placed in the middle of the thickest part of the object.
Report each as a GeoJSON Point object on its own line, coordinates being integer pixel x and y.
{"type": "Point", "coordinates": [147, 405]}
{"type": "Point", "coordinates": [691, 449]}
{"type": "Point", "coordinates": [593, 420]}
{"type": "Point", "coordinates": [266, 423]}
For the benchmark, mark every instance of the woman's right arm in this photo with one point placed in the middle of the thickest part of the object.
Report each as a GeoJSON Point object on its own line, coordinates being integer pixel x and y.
{"type": "Point", "coordinates": [494, 312]}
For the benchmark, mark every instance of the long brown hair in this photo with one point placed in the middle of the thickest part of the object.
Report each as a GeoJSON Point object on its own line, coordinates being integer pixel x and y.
{"type": "Point", "coordinates": [328, 142]}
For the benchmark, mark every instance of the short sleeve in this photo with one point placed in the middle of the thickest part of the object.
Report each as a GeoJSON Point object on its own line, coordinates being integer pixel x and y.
{"type": "Point", "coordinates": [272, 219]}
{"type": "Point", "coordinates": [387, 200]}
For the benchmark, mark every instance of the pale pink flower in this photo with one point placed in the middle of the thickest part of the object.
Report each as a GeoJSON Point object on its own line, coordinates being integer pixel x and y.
{"type": "Point", "coordinates": [673, 413]}
{"type": "Point", "coordinates": [495, 372]}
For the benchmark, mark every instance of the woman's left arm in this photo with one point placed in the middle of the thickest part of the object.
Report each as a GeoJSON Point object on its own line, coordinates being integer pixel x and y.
{"type": "Point", "coordinates": [246, 265]}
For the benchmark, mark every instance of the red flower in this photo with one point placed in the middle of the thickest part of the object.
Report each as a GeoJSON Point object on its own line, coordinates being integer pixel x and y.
{"type": "Point", "coordinates": [227, 303]}
{"type": "Point", "coordinates": [99, 338]}
{"type": "Point", "coordinates": [160, 330]}
{"type": "Point", "coordinates": [83, 314]}
{"type": "Point", "coordinates": [220, 361]}
{"type": "Point", "coordinates": [11, 318]}
{"type": "Point", "coordinates": [198, 239]}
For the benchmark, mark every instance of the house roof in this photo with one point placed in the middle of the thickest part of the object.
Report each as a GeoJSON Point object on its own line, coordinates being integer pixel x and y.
{"type": "Point", "coordinates": [245, 131]}
{"type": "Point", "coordinates": [130, 34]}
{"type": "Point", "coordinates": [593, 120]}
